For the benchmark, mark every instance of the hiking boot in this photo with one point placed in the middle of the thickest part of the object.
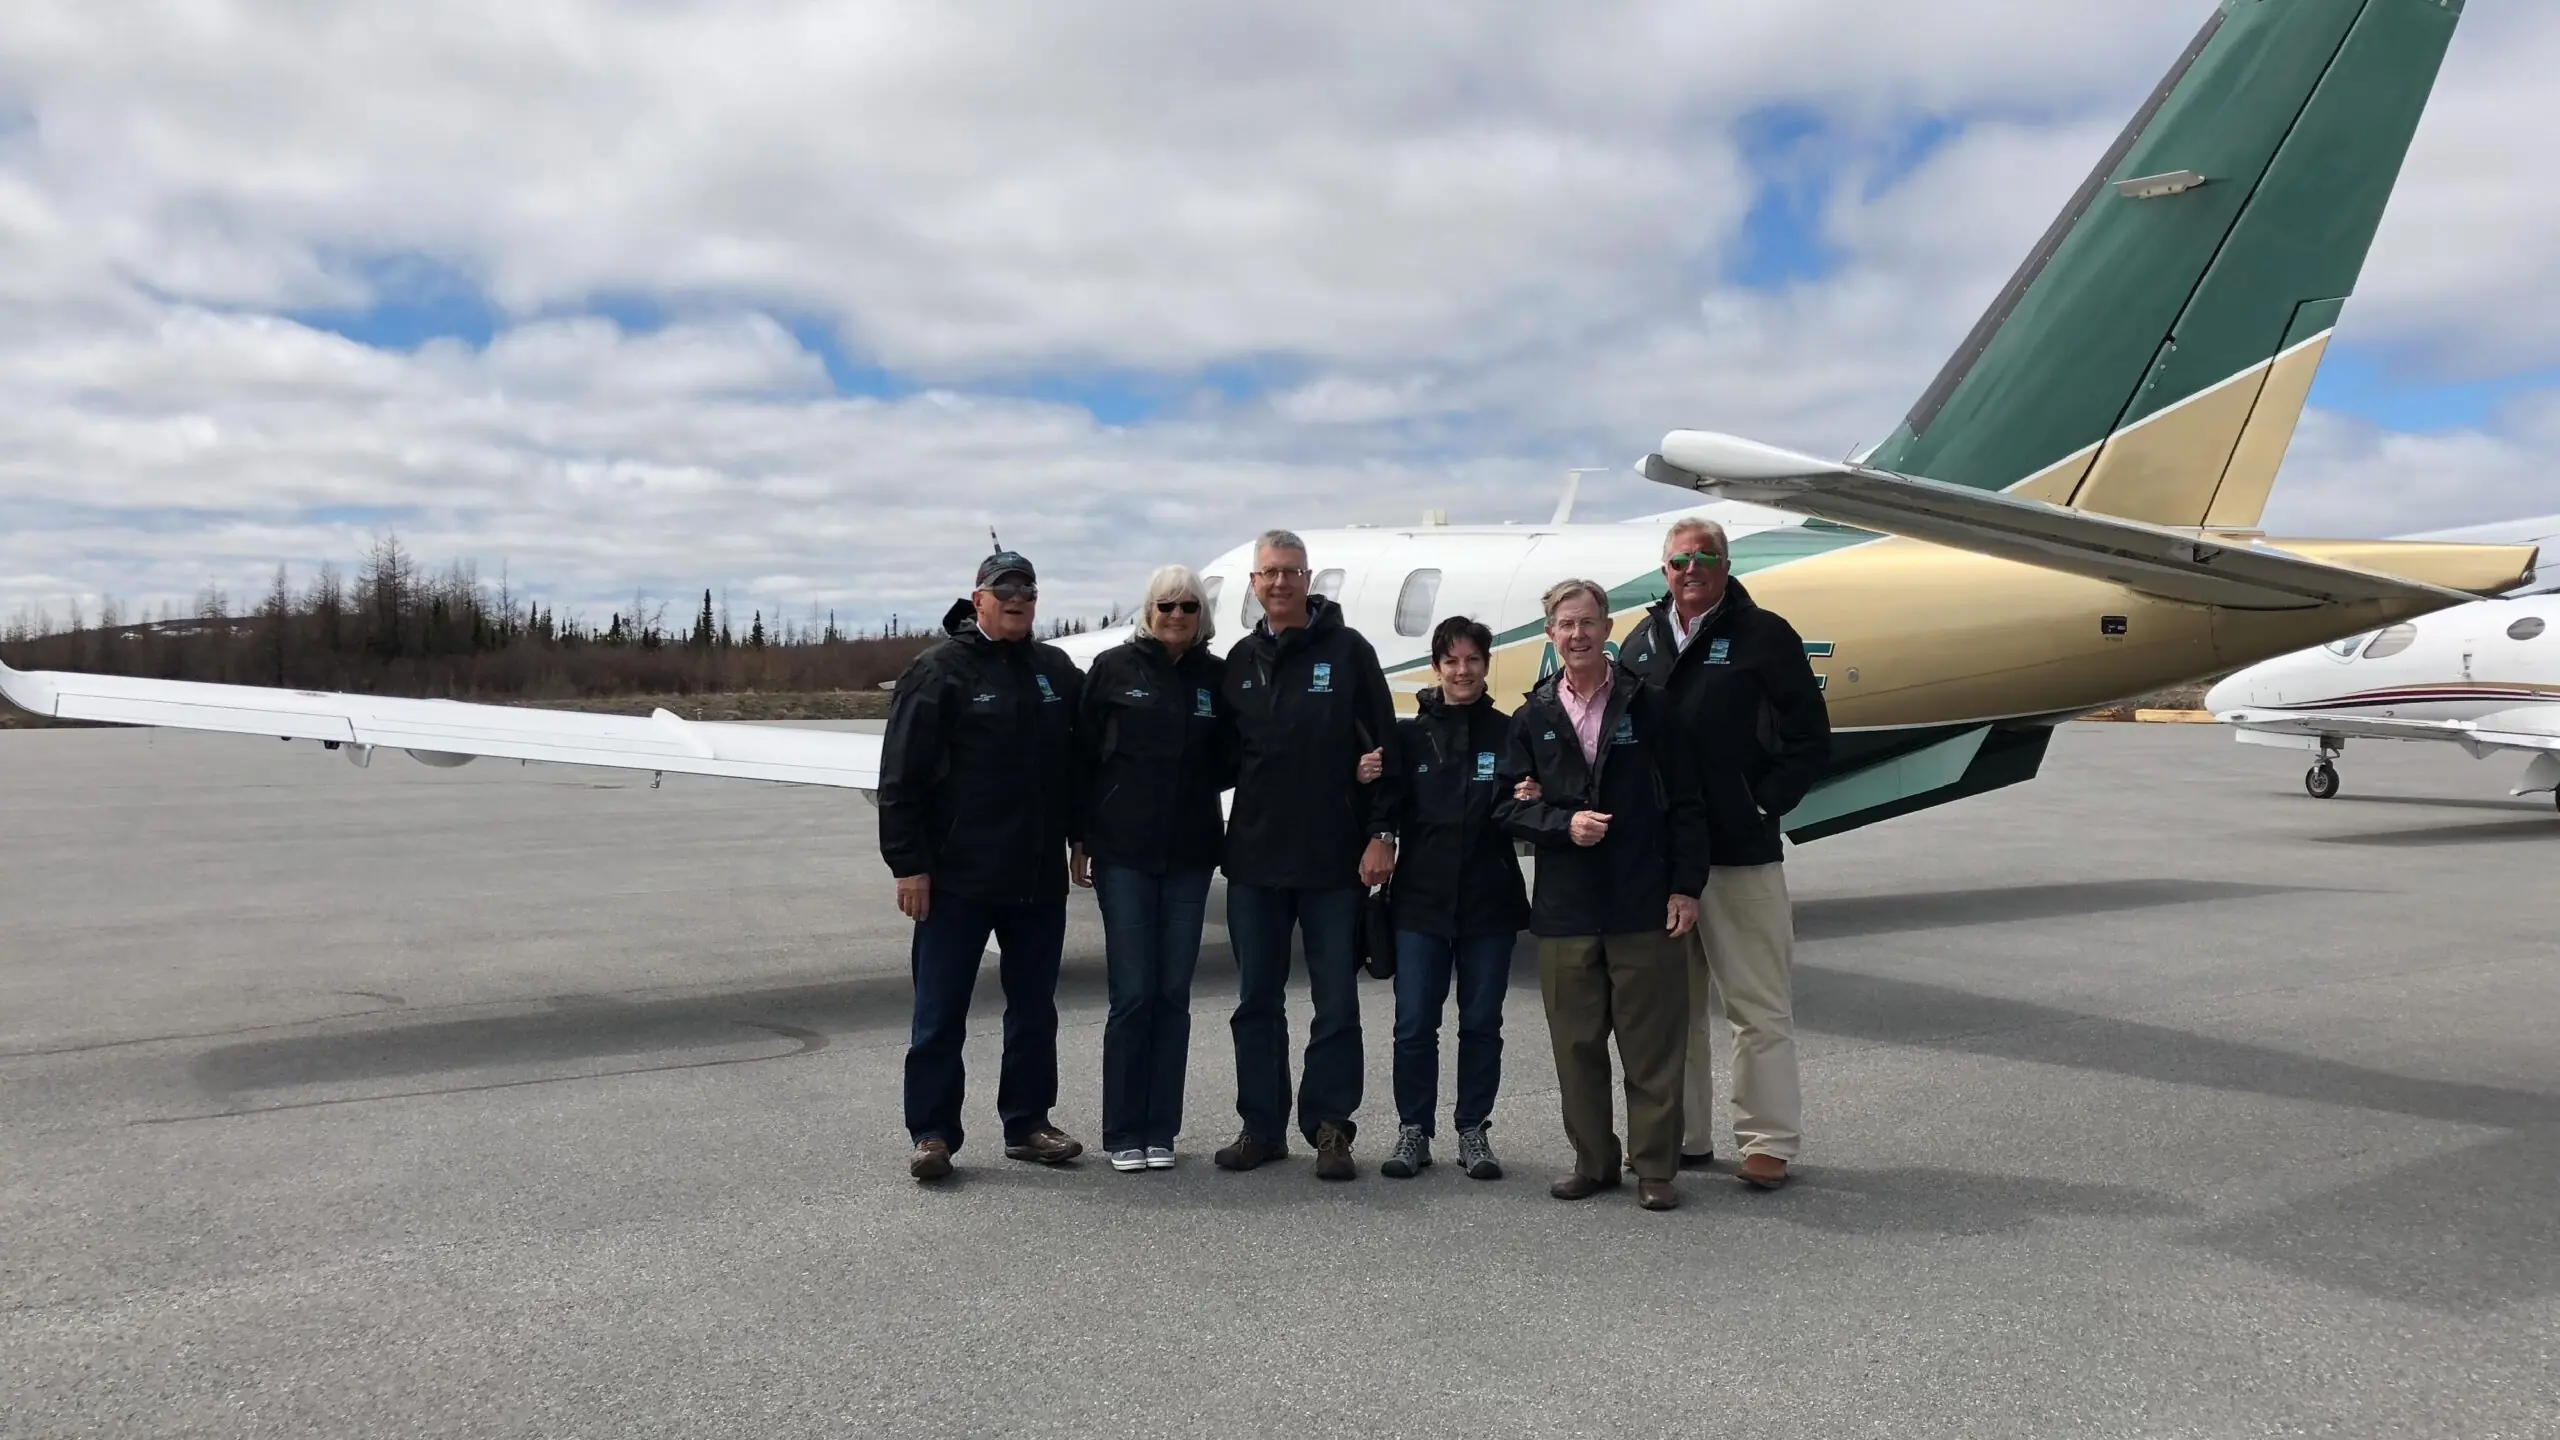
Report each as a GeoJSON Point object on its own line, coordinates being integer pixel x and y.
{"type": "Point", "coordinates": [1248, 1153]}
{"type": "Point", "coordinates": [1412, 1154]}
{"type": "Point", "coordinates": [1047, 1145]}
{"type": "Point", "coordinates": [1475, 1153]}
{"type": "Point", "coordinates": [1333, 1153]}
{"type": "Point", "coordinates": [931, 1161]}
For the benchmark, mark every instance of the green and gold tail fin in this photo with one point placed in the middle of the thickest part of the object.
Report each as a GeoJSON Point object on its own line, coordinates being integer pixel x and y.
{"type": "Point", "coordinates": [2150, 358]}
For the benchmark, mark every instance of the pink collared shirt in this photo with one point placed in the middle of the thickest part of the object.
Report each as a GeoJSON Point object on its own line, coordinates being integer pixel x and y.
{"type": "Point", "coordinates": [1585, 713]}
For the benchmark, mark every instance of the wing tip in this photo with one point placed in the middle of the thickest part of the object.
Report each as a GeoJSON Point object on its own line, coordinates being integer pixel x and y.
{"type": "Point", "coordinates": [29, 690]}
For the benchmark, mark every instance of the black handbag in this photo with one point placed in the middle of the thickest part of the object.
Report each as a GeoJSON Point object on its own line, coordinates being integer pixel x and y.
{"type": "Point", "coordinates": [1377, 937]}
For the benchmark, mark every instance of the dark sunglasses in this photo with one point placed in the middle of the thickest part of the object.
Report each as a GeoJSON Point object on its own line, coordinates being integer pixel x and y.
{"type": "Point", "coordinates": [1187, 607]}
{"type": "Point", "coordinates": [1014, 590]}
{"type": "Point", "coordinates": [1689, 558]}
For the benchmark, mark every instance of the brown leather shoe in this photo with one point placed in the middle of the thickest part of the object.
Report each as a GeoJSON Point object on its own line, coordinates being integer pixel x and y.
{"type": "Point", "coordinates": [1047, 1145]}
{"type": "Point", "coordinates": [1578, 1186]}
{"type": "Point", "coordinates": [1763, 1172]}
{"type": "Point", "coordinates": [932, 1160]}
{"type": "Point", "coordinates": [1333, 1154]}
{"type": "Point", "coordinates": [1657, 1195]}
{"type": "Point", "coordinates": [1248, 1152]}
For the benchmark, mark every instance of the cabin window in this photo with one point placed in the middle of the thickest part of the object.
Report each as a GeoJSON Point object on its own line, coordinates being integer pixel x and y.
{"type": "Point", "coordinates": [2526, 628]}
{"type": "Point", "coordinates": [1414, 602]}
{"type": "Point", "coordinates": [1251, 610]}
{"type": "Point", "coordinates": [2391, 642]}
{"type": "Point", "coordinates": [2346, 649]}
{"type": "Point", "coordinates": [1210, 585]}
{"type": "Point", "coordinates": [1328, 584]}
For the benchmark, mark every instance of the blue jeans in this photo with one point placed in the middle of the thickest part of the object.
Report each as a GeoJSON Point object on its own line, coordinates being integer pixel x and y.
{"type": "Point", "coordinates": [949, 942]}
{"type": "Point", "coordinates": [1151, 945]}
{"type": "Point", "coordinates": [1259, 920]}
{"type": "Point", "coordinates": [1423, 966]}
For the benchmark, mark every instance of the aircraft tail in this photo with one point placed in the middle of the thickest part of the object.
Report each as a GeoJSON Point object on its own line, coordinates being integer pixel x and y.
{"type": "Point", "coordinates": [2151, 357]}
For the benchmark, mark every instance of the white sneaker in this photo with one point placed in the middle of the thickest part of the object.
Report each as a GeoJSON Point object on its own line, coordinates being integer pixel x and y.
{"type": "Point", "coordinates": [1159, 1157]}
{"type": "Point", "coordinates": [1129, 1160]}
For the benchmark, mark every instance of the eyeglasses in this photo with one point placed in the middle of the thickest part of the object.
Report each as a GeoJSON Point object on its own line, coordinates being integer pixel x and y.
{"type": "Point", "coordinates": [1277, 573]}
{"type": "Point", "coordinates": [1187, 607]}
{"type": "Point", "coordinates": [1688, 558]}
{"type": "Point", "coordinates": [1013, 590]}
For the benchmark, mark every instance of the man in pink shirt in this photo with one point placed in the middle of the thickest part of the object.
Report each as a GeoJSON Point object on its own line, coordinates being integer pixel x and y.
{"type": "Point", "coordinates": [1622, 854]}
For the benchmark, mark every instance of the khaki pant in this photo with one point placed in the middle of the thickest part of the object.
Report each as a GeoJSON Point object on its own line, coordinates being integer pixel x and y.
{"type": "Point", "coordinates": [1742, 964]}
{"type": "Point", "coordinates": [1636, 987]}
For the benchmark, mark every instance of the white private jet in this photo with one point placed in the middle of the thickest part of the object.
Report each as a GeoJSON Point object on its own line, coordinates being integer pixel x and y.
{"type": "Point", "coordinates": [2484, 676]}
{"type": "Point", "coordinates": [2067, 516]}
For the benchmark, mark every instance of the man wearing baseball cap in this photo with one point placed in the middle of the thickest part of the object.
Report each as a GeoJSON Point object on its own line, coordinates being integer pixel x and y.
{"type": "Point", "coordinates": [977, 802]}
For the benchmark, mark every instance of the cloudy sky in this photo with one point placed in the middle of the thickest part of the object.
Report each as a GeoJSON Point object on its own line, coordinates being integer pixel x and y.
{"type": "Point", "coordinates": [797, 299]}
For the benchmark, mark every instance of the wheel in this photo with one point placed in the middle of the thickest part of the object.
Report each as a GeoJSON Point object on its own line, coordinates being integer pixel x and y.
{"type": "Point", "coordinates": [2321, 780]}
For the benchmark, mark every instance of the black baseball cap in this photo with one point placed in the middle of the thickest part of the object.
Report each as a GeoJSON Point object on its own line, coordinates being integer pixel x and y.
{"type": "Point", "coordinates": [1003, 563]}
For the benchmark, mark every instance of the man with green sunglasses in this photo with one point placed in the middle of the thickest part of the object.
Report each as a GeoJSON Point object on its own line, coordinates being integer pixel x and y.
{"type": "Point", "coordinates": [1759, 738]}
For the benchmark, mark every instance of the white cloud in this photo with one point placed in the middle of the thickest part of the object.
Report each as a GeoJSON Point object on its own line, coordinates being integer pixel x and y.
{"type": "Point", "coordinates": [1477, 246]}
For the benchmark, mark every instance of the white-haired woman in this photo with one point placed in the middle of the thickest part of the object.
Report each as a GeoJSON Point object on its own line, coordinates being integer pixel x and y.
{"type": "Point", "coordinates": [1158, 750]}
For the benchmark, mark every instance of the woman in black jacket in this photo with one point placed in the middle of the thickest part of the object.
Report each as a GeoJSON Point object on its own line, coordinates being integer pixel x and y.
{"type": "Point", "coordinates": [1158, 749]}
{"type": "Point", "coordinates": [1458, 902]}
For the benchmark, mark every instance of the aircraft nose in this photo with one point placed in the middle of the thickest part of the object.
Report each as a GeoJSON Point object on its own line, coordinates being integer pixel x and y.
{"type": "Point", "coordinates": [2228, 695]}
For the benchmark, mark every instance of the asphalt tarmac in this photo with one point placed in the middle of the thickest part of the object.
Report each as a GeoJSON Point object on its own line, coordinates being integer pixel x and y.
{"type": "Point", "coordinates": [2150, 1098]}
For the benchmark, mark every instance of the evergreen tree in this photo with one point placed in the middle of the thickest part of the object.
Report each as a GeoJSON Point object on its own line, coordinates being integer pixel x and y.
{"type": "Point", "coordinates": [755, 634]}
{"type": "Point", "coordinates": [703, 633]}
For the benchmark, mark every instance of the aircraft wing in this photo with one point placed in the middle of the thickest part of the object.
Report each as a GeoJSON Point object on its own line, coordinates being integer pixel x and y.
{"type": "Point", "coordinates": [2524, 728]}
{"type": "Point", "coordinates": [2175, 564]}
{"type": "Point", "coordinates": [448, 732]}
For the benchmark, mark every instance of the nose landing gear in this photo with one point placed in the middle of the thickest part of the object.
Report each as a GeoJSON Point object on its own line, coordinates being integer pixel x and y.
{"type": "Point", "coordinates": [2321, 780]}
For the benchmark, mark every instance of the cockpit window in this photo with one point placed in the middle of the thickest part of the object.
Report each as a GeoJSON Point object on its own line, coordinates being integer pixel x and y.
{"type": "Point", "coordinates": [2391, 642]}
{"type": "Point", "coordinates": [2348, 646]}
{"type": "Point", "coordinates": [2526, 628]}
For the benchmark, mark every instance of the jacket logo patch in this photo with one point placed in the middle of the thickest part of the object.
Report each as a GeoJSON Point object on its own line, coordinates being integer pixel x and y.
{"type": "Point", "coordinates": [1322, 682]}
{"type": "Point", "coordinates": [1625, 734]}
{"type": "Point", "coordinates": [1137, 694]}
{"type": "Point", "coordinates": [1047, 695]}
{"type": "Point", "coordinates": [1202, 706]}
{"type": "Point", "coordinates": [1720, 651]}
{"type": "Point", "coordinates": [1484, 764]}
{"type": "Point", "coordinates": [982, 699]}
{"type": "Point", "coordinates": [1422, 768]}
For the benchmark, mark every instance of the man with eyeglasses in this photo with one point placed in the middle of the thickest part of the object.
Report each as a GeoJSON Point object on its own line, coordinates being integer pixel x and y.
{"type": "Point", "coordinates": [1759, 738]}
{"type": "Point", "coordinates": [977, 806]}
{"type": "Point", "coordinates": [1306, 839]}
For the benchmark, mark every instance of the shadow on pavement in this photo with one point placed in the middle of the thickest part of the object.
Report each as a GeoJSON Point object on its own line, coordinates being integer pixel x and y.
{"type": "Point", "coordinates": [2460, 1232]}
{"type": "Point", "coordinates": [1849, 917]}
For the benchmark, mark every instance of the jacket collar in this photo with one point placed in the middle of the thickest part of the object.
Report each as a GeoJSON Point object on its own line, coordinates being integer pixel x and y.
{"type": "Point", "coordinates": [1323, 616]}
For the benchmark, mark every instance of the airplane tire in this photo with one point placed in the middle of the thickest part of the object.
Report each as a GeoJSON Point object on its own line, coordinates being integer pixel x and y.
{"type": "Point", "coordinates": [2321, 780]}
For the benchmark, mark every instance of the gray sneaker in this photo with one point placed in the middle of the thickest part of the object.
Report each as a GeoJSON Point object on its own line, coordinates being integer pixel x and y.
{"type": "Point", "coordinates": [1412, 1154]}
{"type": "Point", "coordinates": [1475, 1153]}
{"type": "Point", "coordinates": [1159, 1157]}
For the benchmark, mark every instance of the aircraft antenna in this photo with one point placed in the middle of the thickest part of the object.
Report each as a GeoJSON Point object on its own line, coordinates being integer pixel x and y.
{"type": "Point", "coordinates": [1572, 490]}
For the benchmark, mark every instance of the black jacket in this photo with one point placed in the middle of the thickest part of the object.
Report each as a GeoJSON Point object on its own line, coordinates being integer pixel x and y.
{"type": "Point", "coordinates": [1455, 873]}
{"type": "Point", "coordinates": [978, 772]}
{"type": "Point", "coordinates": [1760, 736]}
{"type": "Point", "coordinates": [1657, 845]}
{"type": "Point", "coordinates": [1158, 749]}
{"type": "Point", "coordinates": [1307, 705]}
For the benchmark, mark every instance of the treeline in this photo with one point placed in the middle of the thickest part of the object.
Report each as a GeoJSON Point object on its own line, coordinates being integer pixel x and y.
{"type": "Point", "coordinates": [393, 627]}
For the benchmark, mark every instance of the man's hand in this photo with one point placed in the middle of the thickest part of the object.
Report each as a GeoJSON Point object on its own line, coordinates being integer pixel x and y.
{"type": "Point", "coordinates": [1079, 867]}
{"type": "Point", "coordinates": [1590, 827]}
{"type": "Point", "coordinates": [1378, 863]}
{"type": "Point", "coordinates": [1528, 790]}
{"type": "Point", "coordinates": [1683, 917]}
{"type": "Point", "coordinates": [915, 896]}
{"type": "Point", "coordinates": [1373, 766]}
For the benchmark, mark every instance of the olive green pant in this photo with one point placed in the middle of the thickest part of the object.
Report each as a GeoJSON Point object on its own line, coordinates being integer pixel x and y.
{"type": "Point", "coordinates": [1635, 987]}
